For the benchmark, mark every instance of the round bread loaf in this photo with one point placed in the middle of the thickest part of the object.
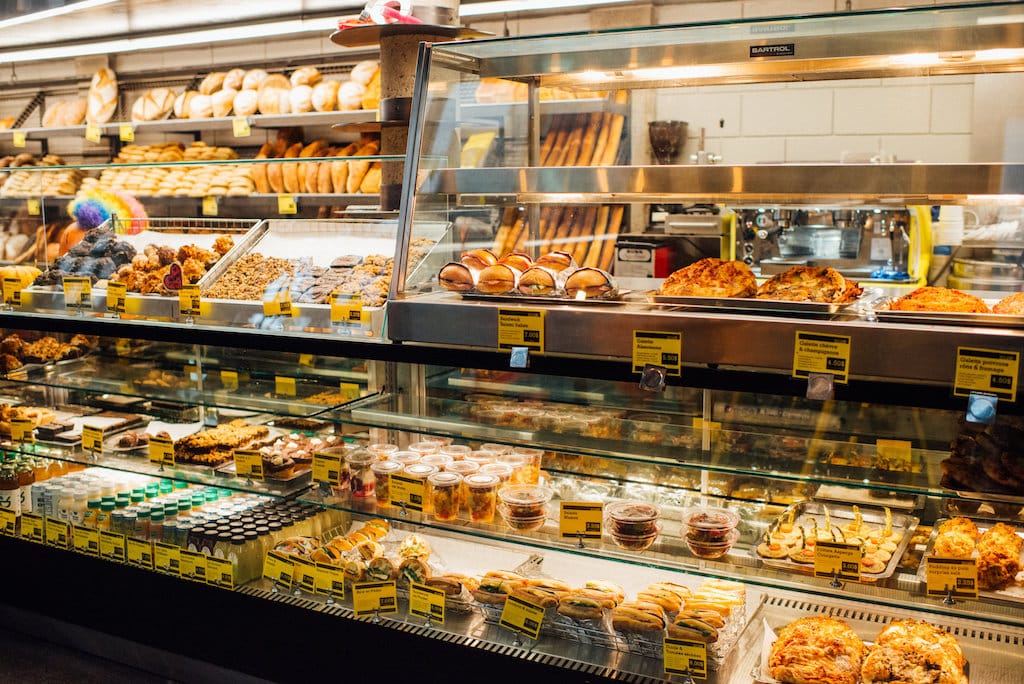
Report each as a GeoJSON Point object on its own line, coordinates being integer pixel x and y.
{"type": "Point", "coordinates": [182, 104]}
{"type": "Point", "coordinates": [275, 81]}
{"type": "Point", "coordinates": [350, 96]}
{"type": "Point", "coordinates": [301, 98]}
{"type": "Point", "coordinates": [253, 79]}
{"type": "Point", "coordinates": [245, 102]}
{"type": "Point", "coordinates": [213, 82]}
{"type": "Point", "coordinates": [306, 76]}
{"type": "Point", "coordinates": [364, 71]}
{"type": "Point", "coordinates": [325, 96]}
{"type": "Point", "coordinates": [153, 104]}
{"type": "Point", "coordinates": [274, 101]}
{"type": "Point", "coordinates": [234, 78]}
{"type": "Point", "coordinates": [200, 107]}
{"type": "Point", "coordinates": [222, 101]}
{"type": "Point", "coordinates": [102, 100]}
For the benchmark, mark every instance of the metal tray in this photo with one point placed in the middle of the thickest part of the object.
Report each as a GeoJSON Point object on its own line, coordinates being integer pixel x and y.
{"type": "Point", "coordinates": [1012, 594]}
{"type": "Point", "coordinates": [771, 307]}
{"type": "Point", "coordinates": [840, 514]}
{"type": "Point", "coordinates": [617, 300]}
{"type": "Point", "coordinates": [992, 320]}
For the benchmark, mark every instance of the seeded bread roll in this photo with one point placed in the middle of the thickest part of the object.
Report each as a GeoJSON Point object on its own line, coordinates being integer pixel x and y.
{"type": "Point", "coordinates": [325, 96]}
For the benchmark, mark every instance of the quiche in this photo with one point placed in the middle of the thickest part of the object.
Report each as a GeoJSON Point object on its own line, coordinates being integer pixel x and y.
{"type": "Point", "coordinates": [810, 284]}
{"type": "Point", "coordinates": [914, 652]}
{"type": "Point", "coordinates": [944, 299]}
{"type": "Point", "coordinates": [817, 650]}
{"type": "Point", "coordinates": [1013, 304]}
{"type": "Point", "coordinates": [711, 277]}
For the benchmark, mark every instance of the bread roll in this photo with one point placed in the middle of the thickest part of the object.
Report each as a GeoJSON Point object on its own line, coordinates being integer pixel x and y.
{"type": "Point", "coordinates": [234, 78]}
{"type": "Point", "coordinates": [73, 113]}
{"type": "Point", "coordinates": [259, 171]}
{"type": "Point", "coordinates": [102, 100]}
{"type": "Point", "coordinates": [325, 96]}
{"type": "Point", "coordinates": [350, 96]}
{"type": "Point", "coordinates": [274, 101]}
{"type": "Point", "coordinates": [52, 114]}
{"type": "Point", "coordinates": [245, 102]}
{"type": "Point", "coordinates": [301, 99]}
{"type": "Point", "coordinates": [275, 177]}
{"type": "Point", "coordinates": [275, 81]}
{"type": "Point", "coordinates": [200, 107]}
{"type": "Point", "coordinates": [290, 171]}
{"type": "Point", "coordinates": [153, 104]}
{"type": "Point", "coordinates": [306, 76]}
{"type": "Point", "coordinates": [357, 168]}
{"type": "Point", "coordinates": [213, 82]}
{"type": "Point", "coordinates": [223, 100]}
{"type": "Point", "coordinates": [324, 185]}
{"type": "Point", "coordinates": [253, 79]}
{"type": "Point", "coordinates": [316, 148]}
{"type": "Point", "coordinates": [364, 71]}
{"type": "Point", "coordinates": [371, 98]}
{"type": "Point", "coordinates": [371, 181]}
{"type": "Point", "coordinates": [183, 102]}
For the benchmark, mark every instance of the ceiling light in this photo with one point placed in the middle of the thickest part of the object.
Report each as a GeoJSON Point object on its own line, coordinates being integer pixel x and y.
{"type": "Point", "coordinates": [479, 9]}
{"type": "Point", "coordinates": [51, 13]}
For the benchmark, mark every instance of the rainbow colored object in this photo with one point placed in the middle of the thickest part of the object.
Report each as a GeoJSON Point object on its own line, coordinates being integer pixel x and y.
{"type": "Point", "coordinates": [96, 206]}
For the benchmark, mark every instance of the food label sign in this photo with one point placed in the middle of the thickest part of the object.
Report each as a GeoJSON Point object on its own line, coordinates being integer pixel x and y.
{"type": "Point", "coordinates": [817, 353]}
{"type": "Point", "coordinates": [522, 616]}
{"type": "Point", "coordinates": [955, 577]}
{"type": "Point", "coordinates": [686, 657]}
{"type": "Point", "coordinates": [426, 602]}
{"type": "Point", "coordinates": [986, 370]}
{"type": "Point", "coordinates": [580, 520]}
{"type": "Point", "coordinates": [837, 560]}
{"type": "Point", "coordinates": [654, 348]}
{"type": "Point", "coordinates": [370, 598]}
{"type": "Point", "coordinates": [521, 328]}
{"type": "Point", "coordinates": [408, 492]}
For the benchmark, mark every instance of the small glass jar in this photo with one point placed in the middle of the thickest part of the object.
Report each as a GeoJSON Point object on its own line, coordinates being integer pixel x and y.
{"type": "Point", "coordinates": [421, 471]}
{"type": "Point", "coordinates": [463, 468]}
{"type": "Point", "coordinates": [444, 495]}
{"type": "Point", "coordinates": [363, 480]}
{"type": "Point", "coordinates": [482, 500]}
{"type": "Point", "coordinates": [382, 471]}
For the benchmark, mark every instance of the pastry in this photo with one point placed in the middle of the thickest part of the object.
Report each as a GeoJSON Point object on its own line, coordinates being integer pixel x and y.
{"type": "Point", "coordinates": [914, 652]}
{"type": "Point", "coordinates": [939, 299]}
{"type": "Point", "coordinates": [817, 649]}
{"type": "Point", "coordinates": [325, 96]}
{"type": "Point", "coordinates": [102, 99]}
{"type": "Point", "coordinates": [1011, 304]}
{"type": "Point", "coordinates": [305, 76]}
{"type": "Point", "coordinates": [274, 101]}
{"type": "Point", "coordinates": [213, 82]}
{"type": "Point", "coordinates": [278, 81]}
{"type": "Point", "coordinates": [810, 284]}
{"type": "Point", "coordinates": [253, 79]}
{"type": "Point", "coordinates": [371, 98]}
{"type": "Point", "coordinates": [371, 181]}
{"type": "Point", "coordinates": [711, 277]}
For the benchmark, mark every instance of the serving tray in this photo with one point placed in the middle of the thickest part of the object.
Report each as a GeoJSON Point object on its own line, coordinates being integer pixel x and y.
{"type": "Point", "coordinates": [776, 307]}
{"type": "Point", "coordinates": [1011, 594]}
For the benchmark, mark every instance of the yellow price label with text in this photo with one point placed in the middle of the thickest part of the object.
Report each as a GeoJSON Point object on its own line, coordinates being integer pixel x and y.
{"type": "Point", "coordinates": [93, 133]}
{"type": "Point", "coordinates": [92, 439]}
{"type": "Point", "coordinates": [521, 328]}
{"type": "Point", "coordinates": [279, 568]}
{"type": "Point", "coordinates": [837, 560]}
{"type": "Point", "coordinates": [58, 534]}
{"type": "Point", "coordinates": [407, 491]}
{"type": "Point", "coordinates": [426, 602]}
{"type": "Point", "coordinates": [139, 552]}
{"type": "Point", "coordinates": [686, 657]}
{"type": "Point", "coordinates": [18, 138]}
{"type": "Point", "coordinates": [126, 133]}
{"type": "Point", "coordinates": [8, 522]}
{"type": "Point", "coordinates": [819, 353]}
{"type": "Point", "coordinates": [112, 546]}
{"type": "Point", "coordinates": [77, 292]}
{"type": "Point", "coordinates": [305, 574]}
{"type": "Point", "coordinates": [284, 386]}
{"type": "Point", "coordinates": [23, 431]}
{"type": "Point", "coordinates": [12, 291]}
{"type": "Point", "coordinates": [348, 309]}
{"type": "Point", "coordinates": [117, 297]}
{"type": "Point", "coordinates": [580, 520]}
{"type": "Point", "coordinates": [161, 451]}
{"type": "Point", "coordinates": [664, 349]}
{"type": "Point", "coordinates": [990, 371]}
{"type": "Point", "coordinates": [167, 558]}
{"type": "Point", "coordinates": [330, 581]}
{"type": "Point", "coordinates": [240, 127]}
{"type": "Point", "coordinates": [249, 464]}
{"type": "Point", "coordinates": [699, 423]}
{"type": "Point", "coordinates": [286, 204]}
{"type": "Point", "coordinates": [192, 565]}
{"type": "Point", "coordinates": [32, 527]}
{"type": "Point", "coordinates": [369, 598]}
{"type": "Point", "coordinates": [278, 303]}
{"type": "Point", "coordinates": [86, 540]}
{"type": "Point", "coordinates": [955, 577]}
{"type": "Point", "coordinates": [220, 572]}
{"type": "Point", "coordinates": [229, 379]}
{"type": "Point", "coordinates": [210, 207]}
{"type": "Point", "coordinates": [34, 207]}
{"type": "Point", "coordinates": [189, 300]}
{"type": "Point", "coordinates": [349, 390]}
{"type": "Point", "coordinates": [327, 468]}
{"type": "Point", "coordinates": [522, 616]}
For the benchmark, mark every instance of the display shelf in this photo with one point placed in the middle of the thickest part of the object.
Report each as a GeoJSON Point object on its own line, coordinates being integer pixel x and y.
{"type": "Point", "coordinates": [371, 34]}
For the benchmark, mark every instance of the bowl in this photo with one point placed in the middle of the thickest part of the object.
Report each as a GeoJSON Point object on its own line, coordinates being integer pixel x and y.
{"type": "Point", "coordinates": [522, 523]}
{"type": "Point", "coordinates": [525, 501]}
{"type": "Point", "coordinates": [709, 525]}
{"type": "Point", "coordinates": [717, 549]}
{"type": "Point", "coordinates": [632, 518]}
{"type": "Point", "coordinates": [636, 542]}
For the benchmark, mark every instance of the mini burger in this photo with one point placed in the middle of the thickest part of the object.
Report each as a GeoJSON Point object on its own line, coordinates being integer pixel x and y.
{"type": "Point", "coordinates": [497, 279]}
{"type": "Point", "coordinates": [455, 277]}
{"type": "Point", "coordinates": [478, 259]}
{"type": "Point", "coordinates": [555, 261]}
{"type": "Point", "coordinates": [517, 260]}
{"type": "Point", "coordinates": [537, 281]}
{"type": "Point", "coordinates": [589, 283]}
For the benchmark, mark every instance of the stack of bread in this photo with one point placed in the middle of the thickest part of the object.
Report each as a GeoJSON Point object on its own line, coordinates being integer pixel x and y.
{"type": "Point", "coordinates": [190, 181]}
{"type": "Point", "coordinates": [67, 113]}
{"type": "Point", "coordinates": [102, 99]}
{"type": "Point", "coordinates": [344, 176]}
{"type": "Point", "coordinates": [494, 90]}
{"type": "Point", "coordinates": [37, 183]}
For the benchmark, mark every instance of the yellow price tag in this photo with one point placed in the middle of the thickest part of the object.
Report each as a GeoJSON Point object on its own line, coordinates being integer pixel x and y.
{"type": "Point", "coordinates": [521, 328]}
{"type": "Point", "coordinates": [426, 602]}
{"type": "Point", "coordinates": [986, 370]}
{"type": "Point", "coordinates": [229, 379]}
{"type": "Point", "coordinates": [123, 347]}
{"type": "Point", "coordinates": [369, 598]}
{"type": "Point", "coordinates": [92, 133]}
{"type": "Point", "coordinates": [139, 552]}
{"type": "Point", "coordinates": [58, 534]}
{"type": "Point", "coordinates": [955, 577]}
{"type": "Point", "coordinates": [522, 616]}
{"type": "Point", "coordinates": [86, 540]}
{"type": "Point", "coordinates": [686, 657]}
{"type": "Point", "coordinates": [407, 491]}
{"type": "Point", "coordinates": [161, 451]}
{"type": "Point", "coordinates": [893, 454]}
{"type": "Point", "coordinates": [77, 292]}
{"type": "Point", "coordinates": [654, 348]}
{"type": "Point", "coordinates": [819, 353]}
{"type": "Point", "coordinates": [580, 520]}
{"type": "Point", "coordinates": [92, 439]}
{"type": "Point", "coordinates": [167, 558]}
{"type": "Point", "coordinates": [210, 205]}
{"type": "Point", "coordinates": [189, 300]}
{"type": "Point", "coordinates": [249, 464]}
{"type": "Point", "coordinates": [306, 360]}
{"type": "Point", "coordinates": [19, 138]}
{"type": "Point", "coordinates": [34, 206]}
{"type": "Point", "coordinates": [112, 546]}
{"type": "Point", "coordinates": [126, 133]}
{"type": "Point", "coordinates": [330, 581]}
{"type": "Point", "coordinates": [279, 304]}
{"type": "Point", "coordinates": [837, 560]}
{"type": "Point", "coordinates": [240, 127]}
{"type": "Point", "coordinates": [286, 204]}
{"type": "Point", "coordinates": [192, 565]}
{"type": "Point", "coordinates": [348, 309]}
{"type": "Point", "coordinates": [220, 572]}
{"type": "Point", "coordinates": [349, 390]}
{"type": "Point", "coordinates": [32, 527]}
{"type": "Point", "coordinates": [12, 291]}
{"type": "Point", "coordinates": [284, 386]}
{"type": "Point", "coordinates": [699, 423]}
{"type": "Point", "coordinates": [327, 468]}
{"type": "Point", "coordinates": [23, 431]}
{"type": "Point", "coordinates": [305, 574]}
{"type": "Point", "coordinates": [8, 522]}
{"type": "Point", "coordinates": [117, 297]}
{"type": "Point", "coordinates": [279, 568]}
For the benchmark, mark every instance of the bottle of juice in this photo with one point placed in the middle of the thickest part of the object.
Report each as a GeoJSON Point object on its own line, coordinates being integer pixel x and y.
{"type": "Point", "coordinates": [80, 505]}
{"type": "Point", "coordinates": [41, 466]}
{"type": "Point", "coordinates": [26, 478]}
{"type": "Point", "coordinates": [106, 512]}
{"type": "Point", "coordinates": [92, 512]}
{"type": "Point", "coordinates": [10, 490]}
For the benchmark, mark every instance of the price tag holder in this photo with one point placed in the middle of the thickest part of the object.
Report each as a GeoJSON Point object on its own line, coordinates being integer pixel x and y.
{"type": "Point", "coordinates": [112, 546]}
{"type": "Point", "coordinates": [139, 552]}
{"type": "Point", "coordinates": [18, 138]}
{"type": "Point", "coordinates": [117, 297]}
{"type": "Point", "coordinates": [305, 574]}
{"type": "Point", "coordinates": [426, 602]}
{"type": "Point", "coordinates": [279, 568]}
{"type": "Point", "coordinates": [522, 616]}
{"type": "Point", "coordinates": [23, 431]}
{"type": "Point", "coordinates": [952, 577]}
{"type": "Point", "coordinates": [34, 207]}
{"type": "Point", "coordinates": [654, 348]}
{"type": "Point", "coordinates": [990, 371]}
{"type": "Point", "coordinates": [521, 328]}
{"type": "Point", "coordinates": [32, 527]}
{"type": "Point", "coordinates": [192, 565]}
{"type": "Point", "coordinates": [350, 391]}
{"type": "Point", "coordinates": [249, 464]}
{"type": "Point", "coordinates": [836, 560]}
{"type": "Point", "coordinates": [12, 291]}
{"type": "Point", "coordinates": [819, 353]}
{"type": "Point", "coordinates": [167, 559]}
{"type": "Point", "coordinates": [278, 303]}
{"type": "Point", "coordinates": [369, 598]}
{"type": "Point", "coordinates": [161, 451]}
{"type": "Point", "coordinates": [327, 468]}
{"type": "Point", "coordinates": [580, 520]}
{"type": "Point", "coordinates": [77, 292]}
{"type": "Point", "coordinates": [686, 657]}
{"type": "Point", "coordinates": [8, 522]}
{"type": "Point", "coordinates": [92, 439]}
{"type": "Point", "coordinates": [58, 534]}
{"type": "Point", "coordinates": [240, 127]}
{"type": "Point", "coordinates": [189, 300]}
{"type": "Point", "coordinates": [284, 386]}
{"type": "Point", "coordinates": [126, 133]}
{"type": "Point", "coordinates": [229, 379]}
{"type": "Point", "coordinates": [893, 454]}
{"type": "Point", "coordinates": [330, 581]}
{"type": "Point", "coordinates": [407, 491]}
{"type": "Point", "coordinates": [93, 133]}
{"type": "Point", "coordinates": [210, 207]}
{"type": "Point", "coordinates": [86, 540]}
{"type": "Point", "coordinates": [286, 205]}
{"type": "Point", "coordinates": [347, 309]}
{"type": "Point", "coordinates": [220, 573]}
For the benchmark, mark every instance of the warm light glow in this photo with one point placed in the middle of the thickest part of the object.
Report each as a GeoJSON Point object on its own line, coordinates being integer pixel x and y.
{"type": "Point", "coordinates": [479, 9]}
{"type": "Point", "coordinates": [581, 295]}
{"type": "Point", "coordinates": [51, 13]}
{"type": "Point", "coordinates": [916, 59]}
{"type": "Point", "coordinates": [1000, 54]}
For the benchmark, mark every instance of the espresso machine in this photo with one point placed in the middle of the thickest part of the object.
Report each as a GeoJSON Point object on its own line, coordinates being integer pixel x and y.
{"type": "Point", "coordinates": [863, 243]}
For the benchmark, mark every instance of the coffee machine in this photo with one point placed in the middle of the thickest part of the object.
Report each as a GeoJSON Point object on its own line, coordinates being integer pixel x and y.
{"type": "Point", "coordinates": [864, 243]}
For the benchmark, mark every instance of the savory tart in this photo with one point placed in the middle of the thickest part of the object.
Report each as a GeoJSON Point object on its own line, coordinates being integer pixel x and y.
{"type": "Point", "coordinates": [810, 284]}
{"type": "Point", "coordinates": [914, 652]}
{"type": "Point", "coordinates": [1012, 304]}
{"type": "Point", "coordinates": [711, 277]}
{"type": "Point", "coordinates": [943, 299]}
{"type": "Point", "coordinates": [817, 649]}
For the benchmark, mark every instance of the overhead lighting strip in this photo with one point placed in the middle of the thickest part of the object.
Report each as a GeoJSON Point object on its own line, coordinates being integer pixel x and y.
{"type": "Point", "coordinates": [51, 13]}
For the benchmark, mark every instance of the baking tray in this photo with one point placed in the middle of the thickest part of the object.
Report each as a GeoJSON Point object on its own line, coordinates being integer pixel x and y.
{"type": "Point", "coordinates": [771, 307]}
{"type": "Point", "coordinates": [228, 470]}
{"type": "Point", "coordinates": [1012, 594]}
{"type": "Point", "coordinates": [805, 511]}
{"type": "Point", "coordinates": [617, 300]}
{"type": "Point", "coordinates": [992, 320]}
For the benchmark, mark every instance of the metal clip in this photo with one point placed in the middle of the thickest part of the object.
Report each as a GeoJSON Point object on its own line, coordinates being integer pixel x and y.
{"type": "Point", "coordinates": [520, 357]}
{"type": "Point", "coordinates": [981, 408]}
{"type": "Point", "coordinates": [652, 378]}
{"type": "Point", "coordinates": [820, 386]}
{"type": "Point", "coordinates": [835, 583]}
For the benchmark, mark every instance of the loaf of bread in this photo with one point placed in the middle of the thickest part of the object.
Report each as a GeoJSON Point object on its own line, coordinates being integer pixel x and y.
{"type": "Point", "coordinates": [274, 101]}
{"type": "Point", "coordinates": [223, 100]}
{"type": "Point", "coordinates": [301, 99]}
{"type": "Point", "coordinates": [245, 103]}
{"type": "Point", "coordinates": [153, 105]}
{"type": "Point", "coordinates": [102, 100]}
{"type": "Point", "coordinates": [183, 102]}
{"type": "Point", "coordinates": [275, 81]}
{"type": "Point", "coordinates": [357, 168]}
{"type": "Point", "coordinates": [371, 181]}
{"type": "Point", "coordinates": [364, 71]}
{"type": "Point", "coordinates": [200, 107]}
{"type": "Point", "coordinates": [371, 98]}
{"type": "Point", "coordinates": [213, 82]}
{"type": "Point", "coordinates": [350, 96]}
{"type": "Point", "coordinates": [259, 171]}
{"type": "Point", "coordinates": [70, 113]}
{"type": "Point", "coordinates": [234, 78]}
{"type": "Point", "coordinates": [253, 79]}
{"type": "Point", "coordinates": [325, 96]}
{"type": "Point", "coordinates": [305, 76]}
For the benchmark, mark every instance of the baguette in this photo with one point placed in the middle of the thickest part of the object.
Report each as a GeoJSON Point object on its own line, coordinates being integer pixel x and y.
{"type": "Point", "coordinates": [371, 181]}
{"type": "Point", "coordinates": [589, 143]}
{"type": "Point", "coordinates": [611, 152]}
{"type": "Point", "coordinates": [614, 223]}
{"type": "Point", "coordinates": [602, 139]}
{"type": "Point", "coordinates": [290, 170]}
{"type": "Point", "coordinates": [597, 242]}
{"type": "Point", "coordinates": [561, 134]}
{"type": "Point", "coordinates": [549, 142]}
{"type": "Point", "coordinates": [259, 171]}
{"type": "Point", "coordinates": [357, 168]}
